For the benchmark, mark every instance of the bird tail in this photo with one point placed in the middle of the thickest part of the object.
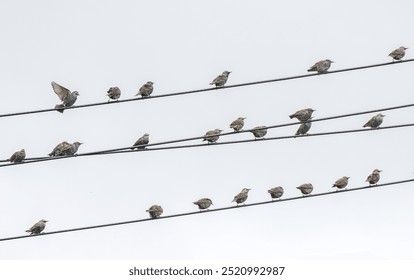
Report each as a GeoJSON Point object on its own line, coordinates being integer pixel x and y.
{"type": "Point", "coordinates": [211, 83]}
{"type": "Point", "coordinates": [291, 116]}
{"type": "Point", "coordinates": [60, 108]}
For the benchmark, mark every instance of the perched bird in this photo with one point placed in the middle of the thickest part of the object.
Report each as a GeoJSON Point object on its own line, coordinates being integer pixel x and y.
{"type": "Point", "coordinates": [146, 89]}
{"type": "Point", "coordinates": [276, 192]}
{"type": "Point", "coordinates": [241, 197]}
{"type": "Point", "coordinates": [212, 135]}
{"type": "Point", "coordinates": [65, 149]}
{"type": "Point", "coordinates": [37, 227]}
{"type": "Point", "coordinates": [203, 203]}
{"type": "Point", "coordinates": [398, 54]}
{"type": "Point", "coordinates": [305, 188]}
{"type": "Point", "coordinates": [259, 131]}
{"type": "Point", "coordinates": [114, 93]}
{"type": "Point", "coordinates": [237, 124]}
{"type": "Point", "coordinates": [321, 66]}
{"type": "Point", "coordinates": [304, 128]}
{"type": "Point", "coordinates": [303, 115]}
{"type": "Point", "coordinates": [142, 142]}
{"type": "Point", "coordinates": [375, 121]}
{"type": "Point", "coordinates": [220, 80]}
{"type": "Point", "coordinates": [341, 183]}
{"type": "Point", "coordinates": [18, 156]}
{"type": "Point", "coordinates": [374, 177]}
{"type": "Point", "coordinates": [67, 97]}
{"type": "Point", "coordinates": [155, 211]}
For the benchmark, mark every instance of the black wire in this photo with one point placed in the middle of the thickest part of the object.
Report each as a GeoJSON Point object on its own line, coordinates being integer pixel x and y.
{"type": "Point", "coordinates": [244, 131]}
{"type": "Point", "coordinates": [248, 130]}
{"type": "Point", "coordinates": [113, 151]}
{"type": "Point", "coordinates": [207, 89]}
{"type": "Point", "coordinates": [209, 211]}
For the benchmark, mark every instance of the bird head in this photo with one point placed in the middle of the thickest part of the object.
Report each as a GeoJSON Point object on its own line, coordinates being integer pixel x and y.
{"type": "Point", "coordinates": [330, 61]}
{"type": "Point", "coordinates": [245, 190]}
{"type": "Point", "coordinates": [150, 83]}
{"type": "Point", "coordinates": [226, 72]}
{"type": "Point", "coordinates": [43, 221]}
{"type": "Point", "coordinates": [75, 93]}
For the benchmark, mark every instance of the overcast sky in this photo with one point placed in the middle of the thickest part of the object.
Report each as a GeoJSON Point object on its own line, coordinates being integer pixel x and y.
{"type": "Point", "coordinates": [90, 46]}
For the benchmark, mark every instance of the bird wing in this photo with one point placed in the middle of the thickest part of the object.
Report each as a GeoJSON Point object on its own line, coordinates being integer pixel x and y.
{"type": "Point", "coordinates": [62, 92]}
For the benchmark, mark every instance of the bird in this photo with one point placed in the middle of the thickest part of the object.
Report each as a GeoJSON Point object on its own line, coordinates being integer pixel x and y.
{"type": "Point", "coordinates": [65, 149]}
{"type": "Point", "coordinates": [67, 97]}
{"type": "Point", "coordinates": [242, 196]}
{"type": "Point", "coordinates": [276, 192]}
{"type": "Point", "coordinates": [304, 128]}
{"type": "Point", "coordinates": [303, 115]}
{"type": "Point", "coordinates": [398, 54]}
{"type": "Point", "coordinates": [203, 203]}
{"type": "Point", "coordinates": [114, 93]}
{"type": "Point", "coordinates": [220, 80]}
{"type": "Point", "coordinates": [305, 189]}
{"type": "Point", "coordinates": [18, 156]}
{"type": "Point", "coordinates": [259, 131]}
{"type": "Point", "coordinates": [321, 66]}
{"type": "Point", "coordinates": [375, 121]}
{"type": "Point", "coordinates": [374, 177]}
{"type": "Point", "coordinates": [237, 124]}
{"type": "Point", "coordinates": [341, 183]}
{"type": "Point", "coordinates": [155, 211]}
{"type": "Point", "coordinates": [212, 135]}
{"type": "Point", "coordinates": [142, 142]}
{"type": "Point", "coordinates": [146, 89]}
{"type": "Point", "coordinates": [38, 227]}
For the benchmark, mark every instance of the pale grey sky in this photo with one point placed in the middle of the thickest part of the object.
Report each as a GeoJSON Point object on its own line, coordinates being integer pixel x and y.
{"type": "Point", "coordinates": [90, 46]}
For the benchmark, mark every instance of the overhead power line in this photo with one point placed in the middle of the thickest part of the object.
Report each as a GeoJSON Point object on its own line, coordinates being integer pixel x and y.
{"type": "Point", "coordinates": [208, 89]}
{"type": "Point", "coordinates": [231, 133]}
{"type": "Point", "coordinates": [210, 211]}
{"type": "Point", "coordinates": [115, 151]}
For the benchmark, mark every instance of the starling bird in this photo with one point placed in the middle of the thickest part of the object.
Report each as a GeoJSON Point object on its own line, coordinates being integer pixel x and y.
{"type": "Point", "coordinates": [18, 156]}
{"type": "Point", "coordinates": [375, 121]}
{"type": "Point", "coordinates": [304, 128]}
{"type": "Point", "coordinates": [341, 183]}
{"type": "Point", "coordinates": [374, 177]}
{"type": "Point", "coordinates": [114, 93]}
{"type": "Point", "coordinates": [241, 197]}
{"type": "Point", "coordinates": [398, 54]}
{"type": "Point", "coordinates": [155, 211]}
{"type": "Point", "coordinates": [276, 192]}
{"type": "Point", "coordinates": [303, 115]}
{"type": "Point", "coordinates": [305, 189]}
{"type": "Point", "coordinates": [220, 80]}
{"type": "Point", "coordinates": [238, 124]}
{"type": "Point", "coordinates": [65, 149]}
{"type": "Point", "coordinates": [212, 135]}
{"type": "Point", "coordinates": [67, 97]}
{"type": "Point", "coordinates": [37, 227]}
{"type": "Point", "coordinates": [146, 89]}
{"type": "Point", "coordinates": [321, 66]}
{"type": "Point", "coordinates": [142, 142]}
{"type": "Point", "coordinates": [203, 203]}
{"type": "Point", "coordinates": [259, 131]}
